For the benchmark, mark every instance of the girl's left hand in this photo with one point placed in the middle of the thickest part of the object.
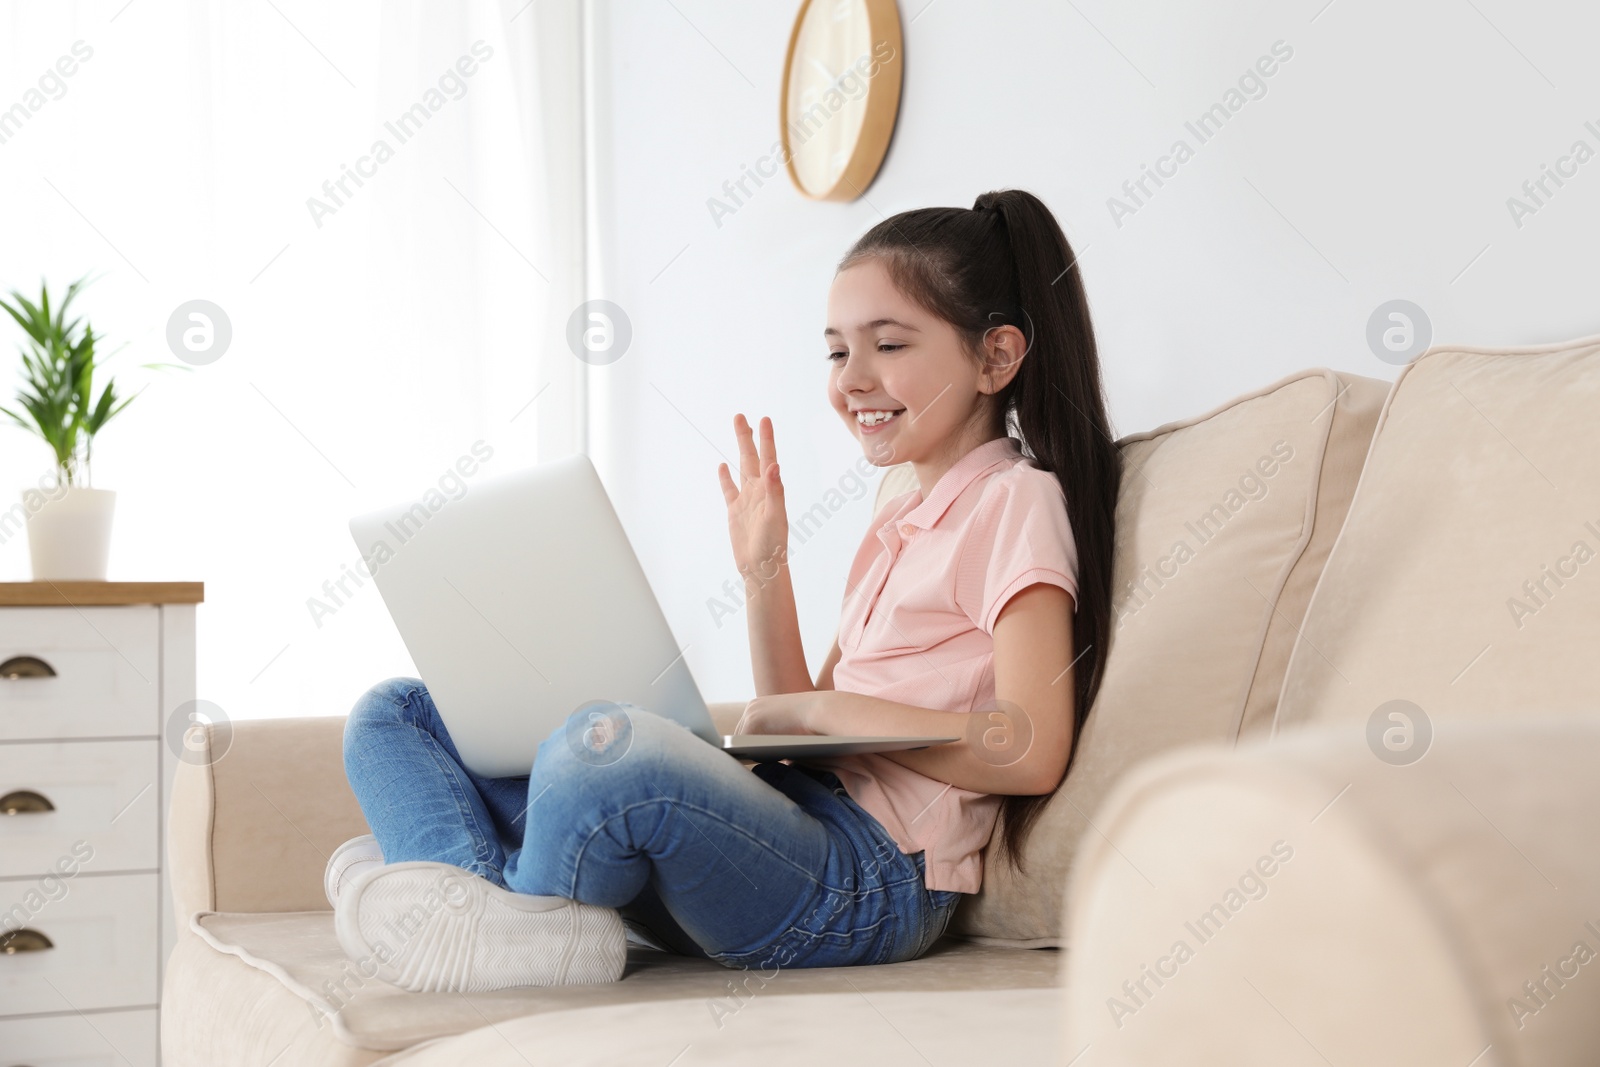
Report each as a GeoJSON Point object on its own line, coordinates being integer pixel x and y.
{"type": "Point", "coordinates": [782, 713]}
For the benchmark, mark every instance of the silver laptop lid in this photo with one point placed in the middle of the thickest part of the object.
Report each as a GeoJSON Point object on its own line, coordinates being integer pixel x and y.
{"type": "Point", "coordinates": [521, 601]}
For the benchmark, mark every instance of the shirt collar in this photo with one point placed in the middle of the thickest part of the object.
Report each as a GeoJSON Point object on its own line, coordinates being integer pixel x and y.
{"type": "Point", "coordinates": [962, 473]}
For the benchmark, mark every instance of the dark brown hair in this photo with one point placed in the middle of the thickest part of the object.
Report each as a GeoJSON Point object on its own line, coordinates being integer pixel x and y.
{"type": "Point", "coordinates": [1006, 261]}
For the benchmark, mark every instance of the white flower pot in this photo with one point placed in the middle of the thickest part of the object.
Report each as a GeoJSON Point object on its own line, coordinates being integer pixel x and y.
{"type": "Point", "coordinates": [69, 532]}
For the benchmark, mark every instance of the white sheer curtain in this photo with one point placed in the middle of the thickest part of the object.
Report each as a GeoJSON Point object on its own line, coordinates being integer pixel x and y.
{"type": "Point", "coordinates": [384, 201]}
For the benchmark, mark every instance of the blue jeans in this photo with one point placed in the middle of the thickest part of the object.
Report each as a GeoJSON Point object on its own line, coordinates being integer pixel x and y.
{"type": "Point", "coordinates": [773, 866]}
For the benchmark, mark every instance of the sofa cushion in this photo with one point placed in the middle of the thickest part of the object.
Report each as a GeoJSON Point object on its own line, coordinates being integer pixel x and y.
{"type": "Point", "coordinates": [1302, 901]}
{"type": "Point", "coordinates": [894, 1028]}
{"type": "Point", "coordinates": [317, 998]}
{"type": "Point", "coordinates": [1224, 521]}
{"type": "Point", "coordinates": [216, 1010]}
{"type": "Point", "coordinates": [1467, 578]}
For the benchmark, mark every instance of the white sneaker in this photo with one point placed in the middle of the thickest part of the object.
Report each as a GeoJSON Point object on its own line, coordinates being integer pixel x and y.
{"type": "Point", "coordinates": [434, 927]}
{"type": "Point", "coordinates": [348, 860]}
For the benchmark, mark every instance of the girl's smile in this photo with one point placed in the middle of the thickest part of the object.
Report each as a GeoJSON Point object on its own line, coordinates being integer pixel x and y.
{"type": "Point", "coordinates": [902, 375]}
{"type": "Point", "coordinates": [875, 421]}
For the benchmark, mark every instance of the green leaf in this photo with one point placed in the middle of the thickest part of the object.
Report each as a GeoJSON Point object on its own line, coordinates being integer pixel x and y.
{"type": "Point", "coordinates": [20, 420]}
{"type": "Point", "coordinates": [59, 363]}
{"type": "Point", "coordinates": [102, 410]}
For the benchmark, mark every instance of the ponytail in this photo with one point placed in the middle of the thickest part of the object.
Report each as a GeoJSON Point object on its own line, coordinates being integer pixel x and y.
{"type": "Point", "coordinates": [1005, 261]}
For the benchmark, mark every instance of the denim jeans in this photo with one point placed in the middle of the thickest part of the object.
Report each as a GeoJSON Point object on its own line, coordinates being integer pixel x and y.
{"type": "Point", "coordinates": [766, 867]}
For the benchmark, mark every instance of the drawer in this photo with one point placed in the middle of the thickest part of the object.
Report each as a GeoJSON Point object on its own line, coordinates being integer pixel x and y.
{"type": "Point", "coordinates": [106, 797]}
{"type": "Point", "coordinates": [105, 1039]}
{"type": "Point", "coordinates": [106, 664]}
{"type": "Point", "coordinates": [103, 943]}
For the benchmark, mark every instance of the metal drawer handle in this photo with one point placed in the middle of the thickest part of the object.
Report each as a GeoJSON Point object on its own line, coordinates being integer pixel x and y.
{"type": "Point", "coordinates": [24, 940]}
{"type": "Point", "coordinates": [25, 802]}
{"type": "Point", "coordinates": [26, 667]}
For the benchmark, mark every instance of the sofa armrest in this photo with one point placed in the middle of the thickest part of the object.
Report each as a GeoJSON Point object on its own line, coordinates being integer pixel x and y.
{"type": "Point", "coordinates": [258, 805]}
{"type": "Point", "coordinates": [1235, 907]}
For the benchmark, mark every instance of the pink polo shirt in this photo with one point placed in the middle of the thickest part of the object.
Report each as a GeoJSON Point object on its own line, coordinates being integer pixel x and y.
{"type": "Point", "coordinates": [918, 625]}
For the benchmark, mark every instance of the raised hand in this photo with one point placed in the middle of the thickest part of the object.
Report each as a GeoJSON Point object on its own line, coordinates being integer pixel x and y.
{"type": "Point", "coordinates": [758, 524]}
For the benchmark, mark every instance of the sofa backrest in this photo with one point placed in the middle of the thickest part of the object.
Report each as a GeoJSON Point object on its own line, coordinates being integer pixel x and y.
{"type": "Point", "coordinates": [1224, 522]}
{"type": "Point", "coordinates": [1466, 580]}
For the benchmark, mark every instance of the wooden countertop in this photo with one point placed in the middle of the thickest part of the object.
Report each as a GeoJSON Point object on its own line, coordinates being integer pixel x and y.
{"type": "Point", "coordinates": [86, 594]}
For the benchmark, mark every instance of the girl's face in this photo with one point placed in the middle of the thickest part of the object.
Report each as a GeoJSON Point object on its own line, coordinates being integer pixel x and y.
{"type": "Point", "coordinates": [888, 354]}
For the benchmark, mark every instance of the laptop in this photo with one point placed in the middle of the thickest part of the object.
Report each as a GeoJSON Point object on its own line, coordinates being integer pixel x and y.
{"type": "Point", "coordinates": [521, 600]}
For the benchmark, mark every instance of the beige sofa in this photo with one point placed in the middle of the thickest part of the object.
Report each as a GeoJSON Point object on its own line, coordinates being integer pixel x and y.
{"type": "Point", "coordinates": [1253, 860]}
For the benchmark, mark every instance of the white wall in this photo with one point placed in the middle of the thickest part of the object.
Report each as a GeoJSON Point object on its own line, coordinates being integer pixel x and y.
{"type": "Point", "coordinates": [1377, 165]}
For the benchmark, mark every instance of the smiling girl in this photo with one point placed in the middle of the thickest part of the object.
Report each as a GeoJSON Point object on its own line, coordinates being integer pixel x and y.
{"type": "Point", "coordinates": [978, 607]}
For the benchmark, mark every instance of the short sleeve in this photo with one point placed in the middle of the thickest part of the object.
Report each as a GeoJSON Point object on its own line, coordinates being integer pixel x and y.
{"type": "Point", "coordinates": [1020, 536]}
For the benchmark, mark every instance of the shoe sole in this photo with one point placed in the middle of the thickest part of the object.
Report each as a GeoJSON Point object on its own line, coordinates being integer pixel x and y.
{"type": "Point", "coordinates": [431, 927]}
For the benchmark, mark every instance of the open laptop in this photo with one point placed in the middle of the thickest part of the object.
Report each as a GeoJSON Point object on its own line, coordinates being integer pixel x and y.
{"type": "Point", "coordinates": [522, 600]}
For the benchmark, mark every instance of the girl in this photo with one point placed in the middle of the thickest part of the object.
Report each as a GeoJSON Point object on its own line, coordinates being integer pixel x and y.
{"type": "Point", "coordinates": [978, 607]}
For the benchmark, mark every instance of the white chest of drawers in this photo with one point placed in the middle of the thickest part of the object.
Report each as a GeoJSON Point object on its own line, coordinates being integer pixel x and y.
{"type": "Point", "coordinates": [91, 675]}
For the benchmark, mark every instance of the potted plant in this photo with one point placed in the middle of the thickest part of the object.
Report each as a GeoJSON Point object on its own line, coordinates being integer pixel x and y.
{"type": "Point", "coordinates": [69, 525]}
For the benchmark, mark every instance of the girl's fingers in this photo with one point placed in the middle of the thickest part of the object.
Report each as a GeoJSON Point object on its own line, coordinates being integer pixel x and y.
{"type": "Point", "coordinates": [730, 492]}
{"type": "Point", "coordinates": [748, 459]}
{"type": "Point", "coordinates": [745, 723]}
{"type": "Point", "coordinates": [769, 446]}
